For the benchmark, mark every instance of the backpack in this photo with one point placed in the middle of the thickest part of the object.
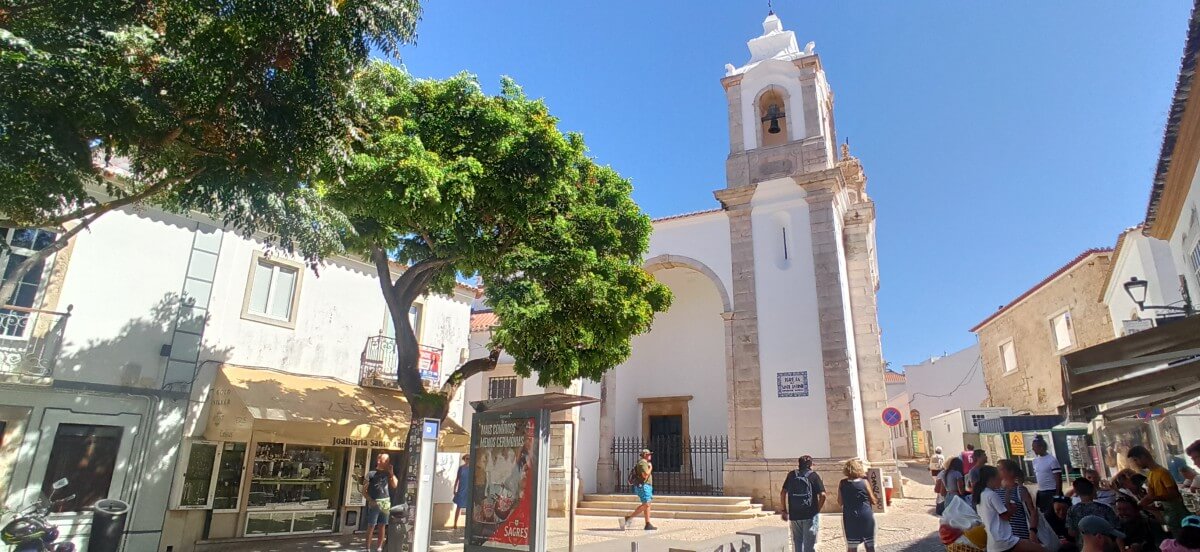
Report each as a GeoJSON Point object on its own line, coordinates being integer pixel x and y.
{"type": "Point", "coordinates": [802, 495]}
{"type": "Point", "coordinates": [633, 478]}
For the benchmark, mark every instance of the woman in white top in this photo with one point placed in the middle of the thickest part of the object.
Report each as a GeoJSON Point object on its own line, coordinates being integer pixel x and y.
{"type": "Point", "coordinates": [995, 513]}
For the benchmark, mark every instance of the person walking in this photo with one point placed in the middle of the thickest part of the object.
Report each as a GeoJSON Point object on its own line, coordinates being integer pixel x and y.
{"type": "Point", "coordinates": [936, 462]}
{"type": "Point", "coordinates": [1099, 535]}
{"type": "Point", "coordinates": [461, 484]}
{"type": "Point", "coordinates": [378, 488]}
{"type": "Point", "coordinates": [857, 501]}
{"type": "Point", "coordinates": [642, 479]}
{"type": "Point", "coordinates": [996, 514]}
{"type": "Point", "coordinates": [1160, 488]}
{"type": "Point", "coordinates": [1024, 520]}
{"type": "Point", "coordinates": [1048, 473]}
{"type": "Point", "coordinates": [952, 482]}
{"type": "Point", "coordinates": [803, 497]}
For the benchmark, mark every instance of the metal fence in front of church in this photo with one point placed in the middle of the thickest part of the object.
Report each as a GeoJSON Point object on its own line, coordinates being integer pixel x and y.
{"type": "Point", "coordinates": [691, 465]}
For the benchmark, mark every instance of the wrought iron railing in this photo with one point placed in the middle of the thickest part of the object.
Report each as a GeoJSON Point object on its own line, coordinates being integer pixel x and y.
{"type": "Point", "coordinates": [30, 340]}
{"type": "Point", "coordinates": [683, 465]}
{"type": "Point", "coordinates": [377, 367]}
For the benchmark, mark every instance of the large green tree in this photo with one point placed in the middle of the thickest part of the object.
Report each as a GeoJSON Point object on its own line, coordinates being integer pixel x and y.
{"type": "Point", "coordinates": [219, 106]}
{"type": "Point", "coordinates": [449, 181]}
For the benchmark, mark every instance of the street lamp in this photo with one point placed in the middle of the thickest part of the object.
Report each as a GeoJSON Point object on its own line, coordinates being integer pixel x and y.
{"type": "Point", "coordinates": [1136, 288]}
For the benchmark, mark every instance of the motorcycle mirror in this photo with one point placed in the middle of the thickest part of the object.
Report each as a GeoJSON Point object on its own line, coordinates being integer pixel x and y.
{"type": "Point", "coordinates": [60, 483]}
{"type": "Point", "coordinates": [67, 499]}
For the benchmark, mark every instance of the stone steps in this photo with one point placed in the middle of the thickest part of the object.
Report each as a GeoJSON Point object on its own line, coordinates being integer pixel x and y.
{"type": "Point", "coordinates": [673, 507]}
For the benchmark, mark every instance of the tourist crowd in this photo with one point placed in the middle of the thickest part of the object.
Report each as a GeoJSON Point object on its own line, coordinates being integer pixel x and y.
{"type": "Point", "coordinates": [989, 507]}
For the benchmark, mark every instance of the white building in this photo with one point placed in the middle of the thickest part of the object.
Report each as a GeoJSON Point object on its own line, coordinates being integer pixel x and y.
{"type": "Point", "coordinates": [897, 395]}
{"type": "Point", "coordinates": [941, 384]}
{"type": "Point", "coordinates": [956, 429]}
{"type": "Point", "coordinates": [212, 386]}
{"type": "Point", "coordinates": [1138, 256]}
{"type": "Point", "coordinates": [774, 322]}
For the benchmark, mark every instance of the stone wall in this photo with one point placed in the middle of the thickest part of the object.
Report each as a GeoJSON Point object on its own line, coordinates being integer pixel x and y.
{"type": "Point", "coordinates": [1036, 385]}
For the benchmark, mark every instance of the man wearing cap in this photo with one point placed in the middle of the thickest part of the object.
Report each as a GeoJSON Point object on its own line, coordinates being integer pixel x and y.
{"type": "Point", "coordinates": [1099, 535]}
{"type": "Point", "coordinates": [642, 479]}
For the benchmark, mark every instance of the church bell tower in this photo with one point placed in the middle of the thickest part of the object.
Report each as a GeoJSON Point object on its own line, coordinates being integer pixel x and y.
{"type": "Point", "coordinates": [807, 366]}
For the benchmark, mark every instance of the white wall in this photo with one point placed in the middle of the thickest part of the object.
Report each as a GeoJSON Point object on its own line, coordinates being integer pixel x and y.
{"type": "Point", "coordinates": [946, 431]}
{"type": "Point", "coordinates": [1186, 237]}
{"type": "Point", "coordinates": [1149, 259]}
{"type": "Point", "coordinates": [945, 383]}
{"type": "Point", "coordinates": [588, 454]}
{"type": "Point", "coordinates": [683, 354]}
{"type": "Point", "coordinates": [788, 330]}
{"type": "Point", "coordinates": [339, 308]}
{"type": "Point", "coordinates": [704, 238]}
{"type": "Point", "coordinates": [123, 279]}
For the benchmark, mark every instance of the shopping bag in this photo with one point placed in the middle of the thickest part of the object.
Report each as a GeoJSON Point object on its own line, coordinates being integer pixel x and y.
{"type": "Point", "coordinates": [959, 514]}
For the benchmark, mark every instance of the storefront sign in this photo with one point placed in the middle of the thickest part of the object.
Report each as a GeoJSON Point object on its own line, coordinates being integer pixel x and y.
{"type": "Point", "coordinates": [792, 384]}
{"type": "Point", "coordinates": [369, 443]}
{"type": "Point", "coordinates": [505, 491]}
{"type": "Point", "coordinates": [918, 442]}
{"type": "Point", "coordinates": [1016, 444]}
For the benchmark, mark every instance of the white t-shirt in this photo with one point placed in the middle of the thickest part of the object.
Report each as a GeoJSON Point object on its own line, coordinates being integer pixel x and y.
{"type": "Point", "coordinates": [1044, 468]}
{"type": "Point", "coordinates": [1000, 537]}
{"type": "Point", "coordinates": [937, 462]}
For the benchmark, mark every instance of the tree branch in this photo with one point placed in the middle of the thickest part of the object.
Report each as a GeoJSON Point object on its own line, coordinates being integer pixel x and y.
{"type": "Point", "coordinates": [9, 287]}
{"type": "Point", "coordinates": [101, 208]}
{"type": "Point", "coordinates": [470, 368]}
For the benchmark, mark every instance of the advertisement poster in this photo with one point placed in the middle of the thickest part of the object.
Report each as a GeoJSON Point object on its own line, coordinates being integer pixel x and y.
{"type": "Point", "coordinates": [503, 505]}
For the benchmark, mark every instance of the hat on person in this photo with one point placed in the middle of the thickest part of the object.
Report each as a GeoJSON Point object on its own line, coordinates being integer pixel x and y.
{"type": "Point", "coordinates": [646, 452]}
{"type": "Point", "coordinates": [937, 450]}
{"type": "Point", "coordinates": [1096, 525]}
{"type": "Point", "coordinates": [1190, 521]}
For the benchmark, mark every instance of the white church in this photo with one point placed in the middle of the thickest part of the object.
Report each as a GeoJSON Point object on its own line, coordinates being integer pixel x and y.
{"type": "Point", "coordinates": [771, 349]}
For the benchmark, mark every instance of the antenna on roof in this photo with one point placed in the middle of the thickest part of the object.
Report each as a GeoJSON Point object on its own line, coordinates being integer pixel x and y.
{"type": "Point", "coordinates": [770, 9]}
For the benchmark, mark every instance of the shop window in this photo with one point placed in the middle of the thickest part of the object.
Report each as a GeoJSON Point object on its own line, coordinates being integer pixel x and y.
{"type": "Point", "coordinates": [299, 477]}
{"type": "Point", "coordinates": [1060, 328]}
{"type": "Point", "coordinates": [272, 292]}
{"type": "Point", "coordinates": [20, 244]}
{"type": "Point", "coordinates": [86, 455]}
{"type": "Point", "coordinates": [212, 477]}
{"type": "Point", "coordinates": [502, 387]}
{"type": "Point", "coordinates": [1008, 356]}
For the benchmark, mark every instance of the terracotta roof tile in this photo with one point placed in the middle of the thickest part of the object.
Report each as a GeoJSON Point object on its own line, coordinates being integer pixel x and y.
{"type": "Point", "coordinates": [687, 215]}
{"type": "Point", "coordinates": [483, 321]}
{"type": "Point", "coordinates": [893, 377]}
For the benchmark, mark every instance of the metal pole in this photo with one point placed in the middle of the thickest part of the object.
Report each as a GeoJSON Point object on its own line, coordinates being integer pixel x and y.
{"type": "Point", "coordinates": [571, 477]}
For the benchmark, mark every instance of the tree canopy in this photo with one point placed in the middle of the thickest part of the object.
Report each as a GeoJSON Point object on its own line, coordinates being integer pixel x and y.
{"type": "Point", "coordinates": [222, 107]}
{"type": "Point", "coordinates": [449, 180]}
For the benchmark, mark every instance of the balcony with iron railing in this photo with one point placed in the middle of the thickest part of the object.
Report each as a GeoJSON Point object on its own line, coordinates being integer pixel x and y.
{"type": "Point", "coordinates": [30, 342]}
{"type": "Point", "coordinates": [377, 367]}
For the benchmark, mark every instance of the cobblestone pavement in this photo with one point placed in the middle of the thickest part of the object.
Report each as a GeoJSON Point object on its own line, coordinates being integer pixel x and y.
{"type": "Point", "coordinates": [909, 526]}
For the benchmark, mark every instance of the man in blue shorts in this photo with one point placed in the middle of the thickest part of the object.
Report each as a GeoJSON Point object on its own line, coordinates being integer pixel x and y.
{"type": "Point", "coordinates": [378, 488]}
{"type": "Point", "coordinates": [642, 479]}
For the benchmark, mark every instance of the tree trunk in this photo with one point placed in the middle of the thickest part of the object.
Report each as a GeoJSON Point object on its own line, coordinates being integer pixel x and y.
{"type": "Point", "coordinates": [423, 403]}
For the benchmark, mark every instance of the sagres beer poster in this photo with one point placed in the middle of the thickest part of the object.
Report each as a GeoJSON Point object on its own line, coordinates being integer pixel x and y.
{"type": "Point", "coordinates": [504, 471]}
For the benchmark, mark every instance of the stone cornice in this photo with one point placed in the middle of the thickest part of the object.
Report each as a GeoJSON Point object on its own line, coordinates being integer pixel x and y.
{"type": "Point", "coordinates": [860, 213]}
{"type": "Point", "coordinates": [731, 81]}
{"type": "Point", "coordinates": [735, 198]}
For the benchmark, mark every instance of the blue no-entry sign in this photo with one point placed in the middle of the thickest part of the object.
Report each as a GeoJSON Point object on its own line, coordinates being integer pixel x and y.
{"type": "Point", "coordinates": [892, 416]}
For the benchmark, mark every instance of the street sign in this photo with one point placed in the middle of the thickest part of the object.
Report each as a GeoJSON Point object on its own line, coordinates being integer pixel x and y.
{"type": "Point", "coordinates": [1149, 414]}
{"type": "Point", "coordinates": [892, 416]}
{"type": "Point", "coordinates": [1016, 443]}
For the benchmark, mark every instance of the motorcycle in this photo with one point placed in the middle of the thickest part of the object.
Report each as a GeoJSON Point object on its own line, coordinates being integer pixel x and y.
{"type": "Point", "coordinates": [30, 532]}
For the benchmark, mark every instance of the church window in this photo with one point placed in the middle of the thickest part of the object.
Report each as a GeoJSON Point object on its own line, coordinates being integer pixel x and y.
{"type": "Point", "coordinates": [772, 114]}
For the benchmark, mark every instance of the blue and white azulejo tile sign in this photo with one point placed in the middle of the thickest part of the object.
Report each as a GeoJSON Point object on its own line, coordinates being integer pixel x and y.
{"type": "Point", "coordinates": [792, 384]}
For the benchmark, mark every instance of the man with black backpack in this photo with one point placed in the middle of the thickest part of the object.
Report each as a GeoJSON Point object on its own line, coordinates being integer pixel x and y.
{"type": "Point", "coordinates": [802, 498]}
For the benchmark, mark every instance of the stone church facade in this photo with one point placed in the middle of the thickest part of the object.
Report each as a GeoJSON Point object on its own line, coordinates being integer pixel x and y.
{"type": "Point", "coordinates": [777, 288]}
{"type": "Point", "coordinates": [773, 340]}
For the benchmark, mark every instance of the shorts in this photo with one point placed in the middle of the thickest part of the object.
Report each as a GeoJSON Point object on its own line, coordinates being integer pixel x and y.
{"type": "Point", "coordinates": [377, 513]}
{"type": "Point", "coordinates": [645, 493]}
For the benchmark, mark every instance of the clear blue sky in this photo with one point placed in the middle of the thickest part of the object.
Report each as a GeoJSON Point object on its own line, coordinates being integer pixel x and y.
{"type": "Point", "coordinates": [1000, 139]}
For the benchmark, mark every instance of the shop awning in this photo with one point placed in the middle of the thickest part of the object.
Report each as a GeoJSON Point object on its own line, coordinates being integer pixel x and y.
{"type": "Point", "coordinates": [283, 407]}
{"type": "Point", "coordinates": [1155, 368]}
